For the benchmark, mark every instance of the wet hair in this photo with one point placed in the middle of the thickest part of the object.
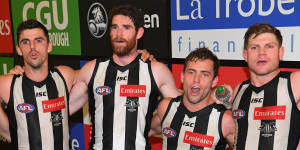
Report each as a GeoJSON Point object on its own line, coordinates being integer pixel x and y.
{"type": "Point", "coordinates": [259, 28]}
{"type": "Point", "coordinates": [31, 24]}
{"type": "Point", "coordinates": [202, 54]}
{"type": "Point", "coordinates": [136, 15]}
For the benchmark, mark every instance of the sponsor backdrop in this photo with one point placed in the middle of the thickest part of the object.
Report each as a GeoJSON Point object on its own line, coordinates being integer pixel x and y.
{"type": "Point", "coordinates": [5, 28]}
{"type": "Point", "coordinates": [60, 17]}
{"type": "Point", "coordinates": [220, 25]}
{"type": "Point", "coordinates": [95, 31]}
{"type": "Point", "coordinates": [79, 31]}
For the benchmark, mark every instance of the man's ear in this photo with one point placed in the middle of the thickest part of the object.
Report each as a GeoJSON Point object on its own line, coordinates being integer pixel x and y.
{"type": "Point", "coordinates": [215, 81]}
{"type": "Point", "coordinates": [182, 76]}
{"type": "Point", "coordinates": [245, 55]}
{"type": "Point", "coordinates": [49, 47]}
{"type": "Point", "coordinates": [140, 33]}
{"type": "Point", "coordinates": [281, 52]}
{"type": "Point", "coordinates": [19, 51]}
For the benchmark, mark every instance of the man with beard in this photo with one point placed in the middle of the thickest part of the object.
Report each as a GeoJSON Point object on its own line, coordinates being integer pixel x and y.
{"type": "Point", "coordinates": [122, 90]}
{"type": "Point", "coordinates": [194, 120]}
{"type": "Point", "coordinates": [36, 101]}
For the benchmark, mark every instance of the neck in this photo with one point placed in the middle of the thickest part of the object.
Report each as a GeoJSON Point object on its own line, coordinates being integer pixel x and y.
{"type": "Point", "coordinates": [196, 107]}
{"type": "Point", "coordinates": [125, 60]}
{"type": "Point", "coordinates": [36, 75]}
{"type": "Point", "coordinates": [260, 80]}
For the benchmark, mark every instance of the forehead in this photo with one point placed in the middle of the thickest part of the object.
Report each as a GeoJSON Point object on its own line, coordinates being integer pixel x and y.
{"type": "Point", "coordinates": [266, 37]}
{"type": "Point", "coordinates": [121, 19]}
{"type": "Point", "coordinates": [201, 64]}
{"type": "Point", "coordinates": [32, 33]}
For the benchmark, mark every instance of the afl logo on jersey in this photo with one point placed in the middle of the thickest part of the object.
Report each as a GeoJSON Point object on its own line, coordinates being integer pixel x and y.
{"type": "Point", "coordinates": [169, 132]}
{"type": "Point", "coordinates": [25, 108]}
{"type": "Point", "coordinates": [103, 90]}
{"type": "Point", "coordinates": [238, 114]}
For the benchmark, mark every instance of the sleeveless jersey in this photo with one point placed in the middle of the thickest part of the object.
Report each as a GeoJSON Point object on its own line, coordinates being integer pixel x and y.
{"type": "Point", "coordinates": [266, 117]}
{"type": "Point", "coordinates": [185, 130]}
{"type": "Point", "coordinates": [121, 104]}
{"type": "Point", "coordinates": [38, 113]}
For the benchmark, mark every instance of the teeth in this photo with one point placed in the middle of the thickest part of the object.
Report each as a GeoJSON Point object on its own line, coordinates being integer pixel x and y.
{"type": "Point", "coordinates": [195, 89]}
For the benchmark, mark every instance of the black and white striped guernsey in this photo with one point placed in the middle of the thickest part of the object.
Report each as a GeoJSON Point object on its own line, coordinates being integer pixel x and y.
{"type": "Point", "coordinates": [200, 130]}
{"type": "Point", "coordinates": [121, 104]}
{"type": "Point", "coordinates": [38, 113]}
{"type": "Point", "coordinates": [266, 117]}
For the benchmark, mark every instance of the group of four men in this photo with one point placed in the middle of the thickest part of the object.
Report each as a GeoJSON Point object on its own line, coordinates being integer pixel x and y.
{"type": "Point", "coordinates": [123, 90]}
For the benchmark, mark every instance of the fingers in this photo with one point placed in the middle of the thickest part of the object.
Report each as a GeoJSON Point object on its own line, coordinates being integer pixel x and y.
{"type": "Point", "coordinates": [16, 70]}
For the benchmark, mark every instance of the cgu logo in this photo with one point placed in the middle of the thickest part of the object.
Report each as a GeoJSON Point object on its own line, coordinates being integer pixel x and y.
{"type": "Point", "coordinates": [238, 114]}
{"type": "Point", "coordinates": [25, 108]}
{"type": "Point", "coordinates": [103, 90]}
{"type": "Point", "coordinates": [42, 7]}
{"type": "Point", "coordinates": [169, 132]}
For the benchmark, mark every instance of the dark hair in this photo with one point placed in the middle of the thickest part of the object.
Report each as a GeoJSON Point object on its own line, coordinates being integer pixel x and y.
{"type": "Point", "coordinates": [259, 28]}
{"type": "Point", "coordinates": [202, 54]}
{"type": "Point", "coordinates": [31, 24]}
{"type": "Point", "coordinates": [136, 15]}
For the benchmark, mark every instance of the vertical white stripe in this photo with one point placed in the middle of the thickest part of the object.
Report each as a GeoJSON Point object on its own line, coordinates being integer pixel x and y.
{"type": "Point", "coordinates": [283, 126]}
{"type": "Point", "coordinates": [181, 145]}
{"type": "Point", "coordinates": [99, 81]}
{"type": "Point", "coordinates": [145, 79]}
{"type": "Point", "coordinates": [119, 125]}
{"type": "Point", "coordinates": [23, 138]}
{"type": "Point", "coordinates": [212, 128]}
{"type": "Point", "coordinates": [167, 122]}
{"type": "Point", "coordinates": [235, 107]}
{"type": "Point", "coordinates": [253, 125]}
{"type": "Point", "coordinates": [65, 124]}
{"type": "Point", "coordinates": [44, 118]}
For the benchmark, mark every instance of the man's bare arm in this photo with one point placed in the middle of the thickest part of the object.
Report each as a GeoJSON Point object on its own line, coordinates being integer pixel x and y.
{"type": "Point", "coordinates": [228, 127]}
{"type": "Point", "coordinates": [79, 91]}
{"type": "Point", "coordinates": [295, 80]}
{"type": "Point", "coordinates": [164, 80]}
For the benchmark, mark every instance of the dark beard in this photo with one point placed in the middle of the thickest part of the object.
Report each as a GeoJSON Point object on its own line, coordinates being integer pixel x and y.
{"type": "Point", "coordinates": [123, 50]}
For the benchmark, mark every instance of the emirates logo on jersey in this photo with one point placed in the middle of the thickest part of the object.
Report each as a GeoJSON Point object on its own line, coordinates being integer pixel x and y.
{"type": "Point", "coordinates": [270, 113]}
{"type": "Point", "coordinates": [169, 132]}
{"type": "Point", "coordinates": [25, 108]}
{"type": "Point", "coordinates": [133, 90]}
{"type": "Point", "coordinates": [53, 104]}
{"type": "Point", "coordinates": [103, 90]}
{"type": "Point", "coordinates": [198, 139]}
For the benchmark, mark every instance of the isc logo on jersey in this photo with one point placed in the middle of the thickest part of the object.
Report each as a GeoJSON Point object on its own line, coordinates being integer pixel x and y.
{"type": "Point", "coordinates": [25, 108]}
{"type": "Point", "coordinates": [238, 114]}
{"type": "Point", "coordinates": [169, 132]}
{"type": "Point", "coordinates": [103, 90]}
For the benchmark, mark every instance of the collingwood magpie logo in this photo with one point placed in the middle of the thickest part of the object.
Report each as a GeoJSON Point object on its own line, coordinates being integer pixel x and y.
{"type": "Point", "coordinates": [56, 119]}
{"type": "Point", "coordinates": [132, 104]}
{"type": "Point", "coordinates": [268, 129]}
{"type": "Point", "coordinates": [97, 20]}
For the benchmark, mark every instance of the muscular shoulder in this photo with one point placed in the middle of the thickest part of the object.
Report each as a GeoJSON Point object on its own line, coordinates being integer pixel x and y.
{"type": "Point", "coordinates": [162, 107]}
{"type": "Point", "coordinates": [5, 84]}
{"type": "Point", "coordinates": [295, 80]}
{"type": "Point", "coordinates": [164, 79]}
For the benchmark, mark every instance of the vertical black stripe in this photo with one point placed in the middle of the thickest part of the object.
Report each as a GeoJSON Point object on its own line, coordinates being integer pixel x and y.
{"type": "Point", "coordinates": [12, 116]}
{"type": "Point", "coordinates": [243, 122]}
{"type": "Point", "coordinates": [172, 142]}
{"type": "Point", "coordinates": [92, 103]}
{"type": "Point", "coordinates": [201, 126]}
{"type": "Point", "coordinates": [294, 134]}
{"type": "Point", "coordinates": [266, 138]}
{"type": "Point", "coordinates": [33, 122]}
{"type": "Point", "coordinates": [108, 108]}
{"type": "Point", "coordinates": [131, 115]}
{"type": "Point", "coordinates": [153, 101]}
{"type": "Point", "coordinates": [56, 116]}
